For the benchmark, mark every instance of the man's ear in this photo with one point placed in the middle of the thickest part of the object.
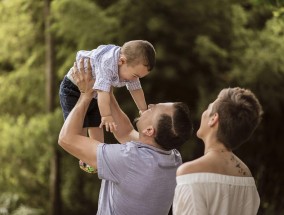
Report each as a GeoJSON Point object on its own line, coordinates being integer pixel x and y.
{"type": "Point", "coordinates": [122, 60]}
{"type": "Point", "coordinates": [149, 131]}
{"type": "Point", "coordinates": [213, 119]}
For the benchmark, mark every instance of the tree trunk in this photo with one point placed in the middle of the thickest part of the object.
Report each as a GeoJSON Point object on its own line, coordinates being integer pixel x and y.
{"type": "Point", "coordinates": [49, 59]}
{"type": "Point", "coordinates": [55, 200]}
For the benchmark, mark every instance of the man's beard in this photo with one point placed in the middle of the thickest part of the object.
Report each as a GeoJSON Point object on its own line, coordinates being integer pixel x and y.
{"type": "Point", "coordinates": [135, 121]}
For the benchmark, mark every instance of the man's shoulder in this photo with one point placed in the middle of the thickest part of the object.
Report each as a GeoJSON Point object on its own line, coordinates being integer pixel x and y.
{"type": "Point", "coordinates": [128, 146]}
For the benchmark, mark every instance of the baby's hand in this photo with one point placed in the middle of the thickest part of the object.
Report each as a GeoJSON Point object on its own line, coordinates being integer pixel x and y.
{"type": "Point", "coordinates": [109, 123]}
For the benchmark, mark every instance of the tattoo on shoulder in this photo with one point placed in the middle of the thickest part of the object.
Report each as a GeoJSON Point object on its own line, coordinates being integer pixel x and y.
{"type": "Point", "coordinates": [238, 166]}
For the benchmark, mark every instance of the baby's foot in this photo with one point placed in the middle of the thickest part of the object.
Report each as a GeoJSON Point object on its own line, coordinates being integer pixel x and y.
{"type": "Point", "coordinates": [86, 167]}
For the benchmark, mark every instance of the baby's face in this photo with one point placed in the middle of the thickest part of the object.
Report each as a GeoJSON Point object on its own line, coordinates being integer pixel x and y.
{"type": "Point", "coordinates": [131, 73]}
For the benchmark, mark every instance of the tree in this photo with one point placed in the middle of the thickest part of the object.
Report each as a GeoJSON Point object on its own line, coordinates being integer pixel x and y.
{"type": "Point", "coordinates": [55, 199]}
{"type": "Point", "coordinates": [202, 47]}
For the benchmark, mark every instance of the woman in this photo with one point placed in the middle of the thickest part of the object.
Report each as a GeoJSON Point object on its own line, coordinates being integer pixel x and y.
{"type": "Point", "coordinates": [219, 182]}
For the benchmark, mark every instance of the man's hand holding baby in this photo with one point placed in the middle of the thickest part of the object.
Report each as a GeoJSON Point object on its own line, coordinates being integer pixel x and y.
{"type": "Point", "coordinates": [84, 80]}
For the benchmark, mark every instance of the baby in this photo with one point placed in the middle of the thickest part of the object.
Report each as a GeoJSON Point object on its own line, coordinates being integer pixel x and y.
{"type": "Point", "coordinates": [112, 66]}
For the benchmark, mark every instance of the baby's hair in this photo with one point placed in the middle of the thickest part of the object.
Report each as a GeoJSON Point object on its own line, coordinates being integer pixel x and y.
{"type": "Point", "coordinates": [139, 51]}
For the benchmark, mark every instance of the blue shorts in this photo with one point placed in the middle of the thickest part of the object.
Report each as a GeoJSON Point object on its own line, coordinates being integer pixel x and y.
{"type": "Point", "coordinates": [69, 95]}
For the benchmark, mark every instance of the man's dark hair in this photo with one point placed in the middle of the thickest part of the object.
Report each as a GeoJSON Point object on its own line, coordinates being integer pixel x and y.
{"type": "Point", "coordinates": [137, 51]}
{"type": "Point", "coordinates": [173, 132]}
{"type": "Point", "coordinates": [239, 114]}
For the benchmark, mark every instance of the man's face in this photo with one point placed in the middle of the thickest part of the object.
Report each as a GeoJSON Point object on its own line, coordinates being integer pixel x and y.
{"type": "Point", "coordinates": [151, 116]}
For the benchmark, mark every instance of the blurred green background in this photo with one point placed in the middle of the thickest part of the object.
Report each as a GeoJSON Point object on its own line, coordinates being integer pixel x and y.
{"type": "Point", "coordinates": [202, 46]}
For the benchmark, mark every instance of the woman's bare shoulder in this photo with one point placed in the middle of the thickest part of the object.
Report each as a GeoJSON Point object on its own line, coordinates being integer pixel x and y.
{"type": "Point", "coordinates": [194, 166]}
{"type": "Point", "coordinates": [214, 163]}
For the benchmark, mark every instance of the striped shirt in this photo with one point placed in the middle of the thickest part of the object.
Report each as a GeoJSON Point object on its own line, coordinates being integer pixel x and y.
{"type": "Point", "coordinates": [136, 179]}
{"type": "Point", "coordinates": [104, 62]}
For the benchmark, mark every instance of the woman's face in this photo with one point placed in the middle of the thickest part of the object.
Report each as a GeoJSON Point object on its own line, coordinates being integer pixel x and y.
{"type": "Point", "coordinates": [204, 123]}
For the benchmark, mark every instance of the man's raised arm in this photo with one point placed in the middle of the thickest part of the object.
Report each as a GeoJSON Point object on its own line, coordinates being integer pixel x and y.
{"type": "Point", "coordinates": [70, 137]}
{"type": "Point", "coordinates": [125, 131]}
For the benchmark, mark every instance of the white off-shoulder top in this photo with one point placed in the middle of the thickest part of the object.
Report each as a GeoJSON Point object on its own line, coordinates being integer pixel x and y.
{"type": "Point", "coordinates": [215, 194]}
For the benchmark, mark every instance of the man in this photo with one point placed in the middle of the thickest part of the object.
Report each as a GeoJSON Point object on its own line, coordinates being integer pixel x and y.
{"type": "Point", "coordinates": [138, 176]}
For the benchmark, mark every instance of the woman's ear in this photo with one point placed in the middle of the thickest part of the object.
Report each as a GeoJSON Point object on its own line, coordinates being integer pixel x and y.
{"type": "Point", "coordinates": [213, 119]}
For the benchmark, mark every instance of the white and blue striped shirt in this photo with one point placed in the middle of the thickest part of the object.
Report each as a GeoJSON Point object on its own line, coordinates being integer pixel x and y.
{"type": "Point", "coordinates": [104, 63]}
{"type": "Point", "coordinates": [137, 178]}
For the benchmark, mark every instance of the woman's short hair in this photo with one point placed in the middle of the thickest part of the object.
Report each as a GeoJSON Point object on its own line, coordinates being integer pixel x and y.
{"type": "Point", "coordinates": [239, 114]}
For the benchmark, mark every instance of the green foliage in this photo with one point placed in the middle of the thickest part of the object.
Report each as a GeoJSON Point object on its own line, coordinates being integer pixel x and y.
{"type": "Point", "coordinates": [11, 204]}
{"type": "Point", "coordinates": [261, 69]}
{"type": "Point", "coordinates": [202, 47]}
{"type": "Point", "coordinates": [22, 92]}
{"type": "Point", "coordinates": [97, 27]}
{"type": "Point", "coordinates": [79, 190]}
{"type": "Point", "coordinates": [18, 31]}
{"type": "Point", "coordinates": [21, 58]}
{"type": "Point", "coordinates": [276, 3]}
{"type": "Point", "coordinates": [260, 64]}
{"type": "Point", "coordinates": [26, 146]}
{"type": "Point", "coordinates": [91, 28]}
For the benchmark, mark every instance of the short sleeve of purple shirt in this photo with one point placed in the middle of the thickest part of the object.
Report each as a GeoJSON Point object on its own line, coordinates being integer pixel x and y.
{"type": "Point", "coordinates": [136, 178]}
{"type": "Point", "coordinates": [113, 161]}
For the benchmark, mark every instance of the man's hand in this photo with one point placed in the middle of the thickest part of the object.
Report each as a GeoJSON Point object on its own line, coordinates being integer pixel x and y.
{"type": "Point", "coordinates": [109, 123]}
{"type": "Point", "coordinates": [83, 77]}
{"type": "Point", "coordinates": [71, 138]}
